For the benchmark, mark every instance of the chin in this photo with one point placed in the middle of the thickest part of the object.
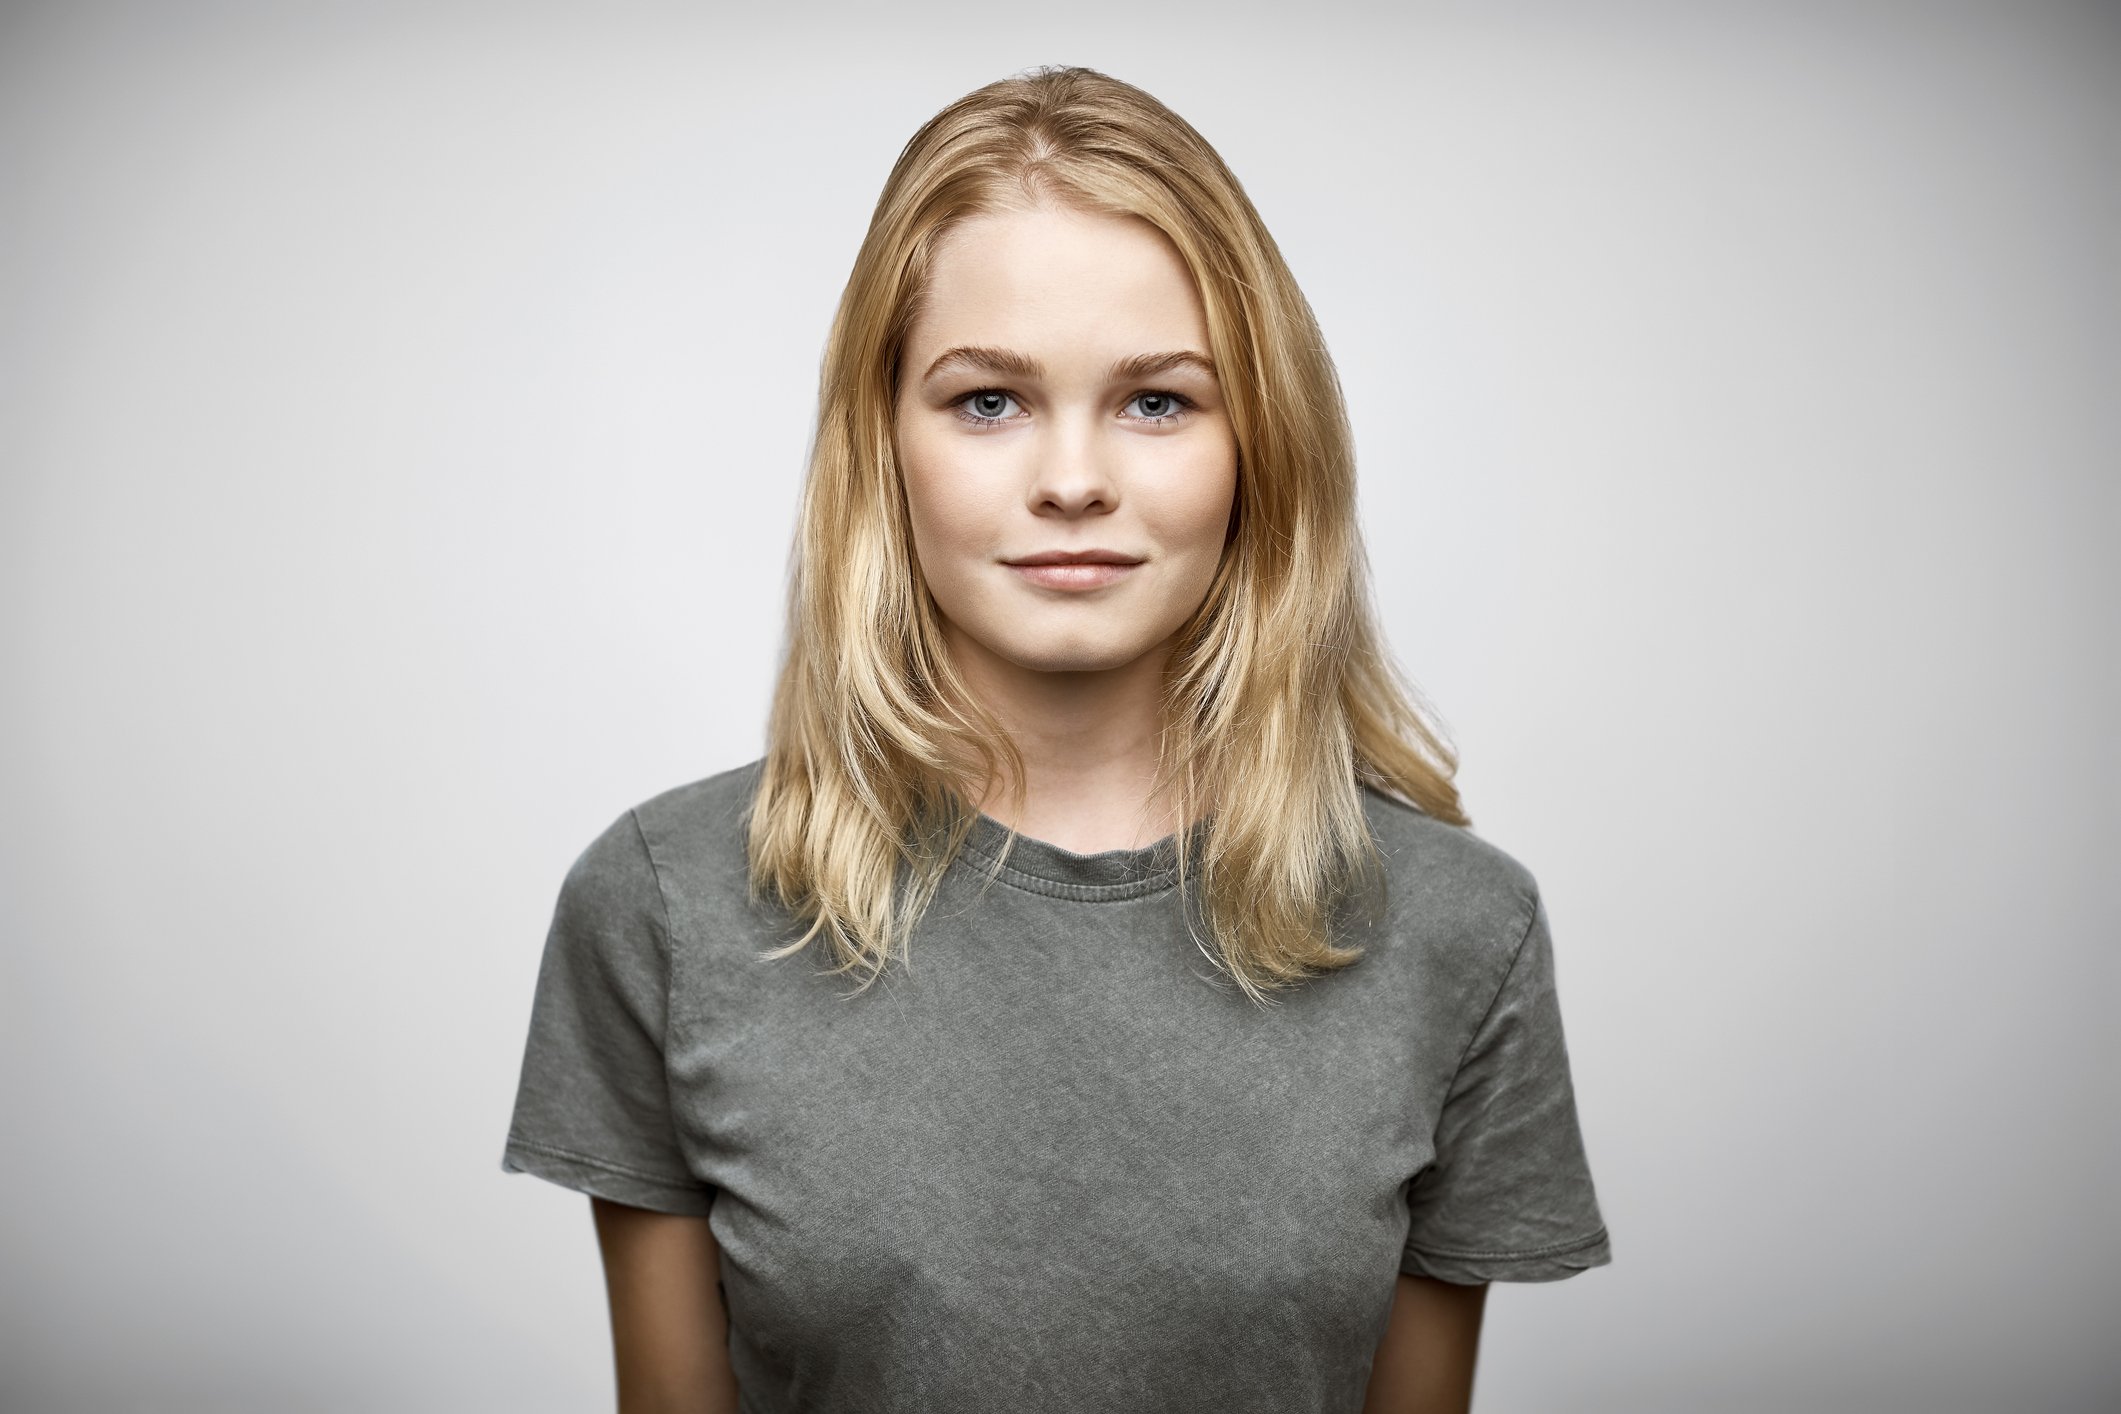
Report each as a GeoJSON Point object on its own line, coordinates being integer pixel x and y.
{"type": "Point", "coordinates": [1020, 645]}
{"type": "Point", "coordinates": [1046, 658]}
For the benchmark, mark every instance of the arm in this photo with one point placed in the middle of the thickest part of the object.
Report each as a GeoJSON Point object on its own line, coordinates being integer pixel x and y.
{"type": "Point", "coordinates": [1424, 1365]}
{"type": "Point", "coordinates": [669, 1333]}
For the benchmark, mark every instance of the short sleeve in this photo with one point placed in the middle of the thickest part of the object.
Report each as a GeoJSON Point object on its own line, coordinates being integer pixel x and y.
{"type": "Point", "coordinates": [592, 1109]}
{"type": "Point", "coordinates": [1509, 1195]}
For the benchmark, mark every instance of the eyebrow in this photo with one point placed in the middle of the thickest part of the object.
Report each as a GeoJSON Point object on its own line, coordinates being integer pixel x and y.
{"type": "Point", "coordinates": [1015, 365]}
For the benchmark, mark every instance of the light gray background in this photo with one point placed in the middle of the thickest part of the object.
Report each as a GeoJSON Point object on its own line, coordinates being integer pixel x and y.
{"type": "Point", "coordinates": [401, 413]}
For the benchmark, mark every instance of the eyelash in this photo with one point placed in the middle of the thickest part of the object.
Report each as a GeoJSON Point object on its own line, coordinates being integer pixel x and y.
{"type": "Point", "coordinates": [1185, 406]}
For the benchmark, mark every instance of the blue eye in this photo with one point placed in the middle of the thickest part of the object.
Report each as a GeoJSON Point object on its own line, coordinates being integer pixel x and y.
{"type": "Point", "coordinates": [1170, 406]}
{"type": "Point", "coordinates": [986, 406]}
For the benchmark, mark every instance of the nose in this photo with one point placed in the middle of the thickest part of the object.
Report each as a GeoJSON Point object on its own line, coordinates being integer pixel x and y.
{"type": "Point", "coordinates": [1071, 472]}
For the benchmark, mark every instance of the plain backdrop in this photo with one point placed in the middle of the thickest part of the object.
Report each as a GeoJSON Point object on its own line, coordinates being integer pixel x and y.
{"type": "Point", "coordinates": [402, 412]}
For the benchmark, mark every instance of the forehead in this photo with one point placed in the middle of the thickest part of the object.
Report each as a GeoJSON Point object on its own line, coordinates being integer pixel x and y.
{"type": "Point", "coordinates": [1052, 280]}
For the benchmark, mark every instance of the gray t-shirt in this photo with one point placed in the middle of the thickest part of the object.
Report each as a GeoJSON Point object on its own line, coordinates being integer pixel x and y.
{"type": "Point", "coordinates": [1061, 1163]}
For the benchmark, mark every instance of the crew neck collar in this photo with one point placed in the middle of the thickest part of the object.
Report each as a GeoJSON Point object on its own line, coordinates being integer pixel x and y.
{"type": "Point", "coordinates": [1044, 867]}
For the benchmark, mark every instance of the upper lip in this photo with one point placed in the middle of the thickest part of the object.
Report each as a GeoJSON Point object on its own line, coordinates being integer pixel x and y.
{"type": "Point", "coordinates": [1076, 557]}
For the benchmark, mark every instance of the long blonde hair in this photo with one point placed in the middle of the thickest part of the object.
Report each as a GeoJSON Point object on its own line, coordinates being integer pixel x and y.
{"type": "Point", "coordinates": [1280, 701]}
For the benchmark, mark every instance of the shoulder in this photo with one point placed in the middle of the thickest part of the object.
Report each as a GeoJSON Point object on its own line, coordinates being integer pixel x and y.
{"type": "Point", "coordinates": [671, 845]}
{"type": "Point", "coordinates": [685, 820]}
{"type": "Point", "coordinates": [1448, 878]}
{"type": "Point", "coordinates": [1413, 841]}
{"type": "Point", "coordinates": [679, 838]}
{"type": "Point", "coordinates": [710, 806]}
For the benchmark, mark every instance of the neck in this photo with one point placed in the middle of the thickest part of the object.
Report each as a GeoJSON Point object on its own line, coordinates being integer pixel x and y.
{"type": "Point", "coordinates": [1089, 742]}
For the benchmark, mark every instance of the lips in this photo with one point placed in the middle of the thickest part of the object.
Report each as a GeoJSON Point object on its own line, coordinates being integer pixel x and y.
{"type": "Point", "coordinates": [1076, 574]}
{"type": "Point", "coordinates": [1076, 557]}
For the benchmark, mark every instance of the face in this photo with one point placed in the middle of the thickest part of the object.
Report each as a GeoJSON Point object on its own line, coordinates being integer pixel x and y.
{"type": "Point", "coordinates": [1057, 395]}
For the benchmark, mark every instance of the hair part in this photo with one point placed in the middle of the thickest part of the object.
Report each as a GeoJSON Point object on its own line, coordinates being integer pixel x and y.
{"type": "Point", "coordinates": [1280, 700]}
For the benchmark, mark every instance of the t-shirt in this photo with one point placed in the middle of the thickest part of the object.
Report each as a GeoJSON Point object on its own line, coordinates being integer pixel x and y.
{"type": "Point", "coordinates": [1059, 1162]}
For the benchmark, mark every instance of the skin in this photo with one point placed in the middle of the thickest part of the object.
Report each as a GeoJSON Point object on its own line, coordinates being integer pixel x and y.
{"type": "Point", "coordinates": [669, 1331]}
{"type": "Point", "coordinates": [1076, 458]}
{"type": "Point", "coordinates": [1424, 1364]}
{"type": "Point", "coordinates": [1070, 456]}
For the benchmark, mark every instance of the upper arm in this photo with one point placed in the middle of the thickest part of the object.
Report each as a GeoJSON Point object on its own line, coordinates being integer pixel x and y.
{"type": "Point", "coordinates": [669, 1332]}
{"type": "Point", "coordinates": [594, 1110]}
{"type": "Point", "coordinates": [1509, 1195]}
{"type": "Point", "coordinates": [1424, 1364]}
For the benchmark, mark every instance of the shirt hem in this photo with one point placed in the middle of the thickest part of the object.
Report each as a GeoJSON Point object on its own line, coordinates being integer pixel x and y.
{"type": "Point", "coordinates": [601, 1178]}
{"type": "Point", "coordinates": [1552, 1263]}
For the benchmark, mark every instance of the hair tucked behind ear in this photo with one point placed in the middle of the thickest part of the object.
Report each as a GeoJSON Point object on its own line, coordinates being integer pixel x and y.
{"type": "Point", "coordinates": [1281, 701]}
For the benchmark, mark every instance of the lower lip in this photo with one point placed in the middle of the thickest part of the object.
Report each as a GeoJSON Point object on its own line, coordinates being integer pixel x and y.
{"type": "Point", "coordinates": [1071, 576]}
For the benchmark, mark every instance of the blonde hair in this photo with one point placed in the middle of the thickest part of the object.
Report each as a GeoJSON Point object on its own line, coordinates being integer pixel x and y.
{"type": "Point", "coordinates": [1280, 701]}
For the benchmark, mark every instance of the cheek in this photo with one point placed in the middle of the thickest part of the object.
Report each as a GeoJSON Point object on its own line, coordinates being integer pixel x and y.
{"type": "Point", "coordinates": [926, 480]}
{"type": "Point", "coordinates": [1196, 502]}
{"type": "Point", "coordinates": [950, 519]}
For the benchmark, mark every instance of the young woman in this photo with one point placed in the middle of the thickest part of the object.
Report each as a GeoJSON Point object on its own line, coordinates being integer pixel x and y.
{"type": "Point", "coordinates": [1212, 1063]}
